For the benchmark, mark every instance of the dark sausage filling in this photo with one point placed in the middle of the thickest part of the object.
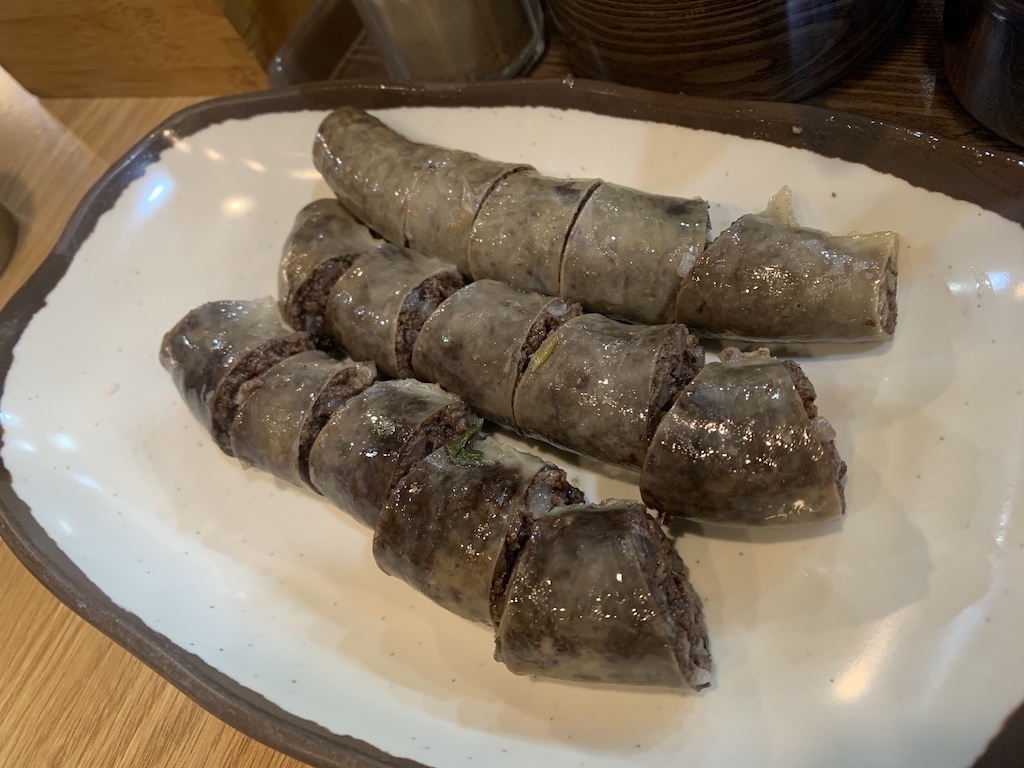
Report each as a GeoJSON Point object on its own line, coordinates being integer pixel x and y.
{"type": "Point", "coordinates": [549, 488]}
{"type": "Point", "coordinates": [345, 384]}
{"type": "Point", "coordinates": [308, 302]}
{"type": "Point", "coordinates": [887, 298]}
{"type": "Point", "coordinates": [804, 388]}
{"type": "Point", "coordinates": [232, 390]}
{"type": "Point", "coordinates": [417, 307]}
{"type": "Point", "coordinates": [554, 314]}
{"type": "Point", "coordinates": [678, 604]}
{"type": "Point", "coordinates": [446, 424]}
{"type": "Point", "coordinates": [679, 360]}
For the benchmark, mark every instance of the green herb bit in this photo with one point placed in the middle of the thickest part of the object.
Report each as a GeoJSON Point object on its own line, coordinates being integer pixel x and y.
{"type": "Point", "coordinates": [468, 458]}
{"type": "Point", "coordinates": [541, 355]}
{"type": "Point", "coordinates": [458, 450]}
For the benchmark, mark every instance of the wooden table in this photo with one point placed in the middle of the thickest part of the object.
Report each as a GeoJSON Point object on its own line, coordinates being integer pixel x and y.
{"type": "Point", "coordinates": [69, 697]}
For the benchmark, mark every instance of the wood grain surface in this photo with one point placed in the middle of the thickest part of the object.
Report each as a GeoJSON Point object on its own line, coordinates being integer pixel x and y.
{"type": "Point", "coordinates": [128, 47]}
{"type": "Point", "coordinates": [71, 698]}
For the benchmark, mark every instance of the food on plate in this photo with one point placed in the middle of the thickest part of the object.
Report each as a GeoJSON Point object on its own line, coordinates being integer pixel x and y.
{"type": "Point", "coordinates": [766, 278]}
{"type": "Point", "coordinates": [586, 383]}
{"type": "Point", "coordinates": [323, 243]}
{"type": "Point", "coordinates": [616, 250]}
{"type": "Point", "coordinates": [455, 523]}
{"type": "Point", "coordinates": [520, 231]}
{"type": "Point", "coordinates": [369, 443]}
{"type": "Point", "coordinates": [473, 523]}
{"type": "Point", "coordinates": [599, 594]}
{"type": "Point", "coordinates": [370, 168]}
{"type": "Point", "coordinates": [732, 445]}
{"type": "Point", "coordinates": [217, 349]}
{"type": "Point", "coordinates": [479, 341]}
{"type": "Point", "coordinates": [378, 305]}
{"type": "Point", "coordinates": [628, 250]}
{"type": "Point", "coordinates": [446, 196]}
{"type": "Point", "coordinates": [287, 407]}
{"type": "Point", "coordinates": [598, 387]}
{"type": "Point", "coordinates": [743, 445]}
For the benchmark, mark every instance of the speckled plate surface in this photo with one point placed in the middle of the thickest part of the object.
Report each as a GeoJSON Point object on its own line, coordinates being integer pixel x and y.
{"type": "Point", "coordinates": [891, 639]}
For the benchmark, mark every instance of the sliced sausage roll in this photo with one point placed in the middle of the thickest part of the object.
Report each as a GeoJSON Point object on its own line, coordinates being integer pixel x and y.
{"type": "Point", "coordinates": [378, 306]}
{"type": "Point", "coordinates": [519, 235]}
{"type": "Point", "coordinates": [480, 340]}
{"type": "Point", "coordinates": [370, 168]}
{"type": "Point", "coordinates": [446, 197]}
{"type": "Point", "coordinates": [598, 387]}
{"type": "Point", "coordinates": [454, 525]}
{"type": "Point", "coordinates": [599, 594]}
{"type": "Point", "coordinates": [369, 444]}
{"type": "Point", "coordinates": [275, 427]}
{"type": "Point", "coordinates": [215, 350]}
{"type": "Point", "coordinates": [767, 279]}
{"type": "Point", "coordinates": [324, 242]}
{"type": "Point", "coordinates": [743, 445]}
{"type": "Point", "coordinates": [619, 251]}
{"type": "Point", "coordinates": [628, 250]}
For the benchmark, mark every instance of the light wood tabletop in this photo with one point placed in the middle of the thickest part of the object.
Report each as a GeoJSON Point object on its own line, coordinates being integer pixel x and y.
{"type": "Point", "coordinates": [69, 696]}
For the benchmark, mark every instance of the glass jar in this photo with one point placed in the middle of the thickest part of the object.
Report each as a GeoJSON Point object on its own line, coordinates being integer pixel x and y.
{"type": "Point", "coordinates": [454, 40]}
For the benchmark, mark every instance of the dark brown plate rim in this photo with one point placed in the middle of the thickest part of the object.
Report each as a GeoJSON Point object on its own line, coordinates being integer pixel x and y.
{"type": "Point", "coordinates": [991, 180]}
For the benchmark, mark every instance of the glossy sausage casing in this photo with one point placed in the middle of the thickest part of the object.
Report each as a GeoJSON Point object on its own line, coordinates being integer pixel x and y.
{"type": "Point", "coordinates": [452, 528]}
{"type": "Point", "coordinates": [370, 168]}
{"type": "Point", "coordinates": [628, 250]}
{"type": "Point", "coordinates": [446, 197]}
{"type": "Point", "coordinates": [216, 348]}
{"type": "Point", "coordinates": [379, 305]}
{"type": "Point", "coordinates": [767, 279]}
{"type": "Point", "coordinates": [369, 444]}
{"type": "Point", "coordinates": [272, 430]}
{"type": "Point", "coordinates": [740, 446]}
{"type": "Point", "coordinates": [324, 242]}
{"type": "Point", "coordinates": [519, 235]}
{"type": "Point", "coordinates": [480, 339]}
{"type": "Point", "coordinates": [599, 594]}
{"type": "Point", "coordinates": [597, 386]}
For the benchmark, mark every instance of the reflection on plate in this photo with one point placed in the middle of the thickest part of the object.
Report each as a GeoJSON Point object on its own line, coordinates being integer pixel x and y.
{"type": "Point", "coordinates": [264, 603]}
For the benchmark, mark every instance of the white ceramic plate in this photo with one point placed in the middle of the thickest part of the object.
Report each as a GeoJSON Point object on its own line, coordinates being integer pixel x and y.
{"type": "Point", "coordinates": [892, 639]}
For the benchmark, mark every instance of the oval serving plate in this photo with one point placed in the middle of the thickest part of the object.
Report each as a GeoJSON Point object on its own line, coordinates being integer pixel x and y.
{"type": "Point", "coordinates": [891, 639]}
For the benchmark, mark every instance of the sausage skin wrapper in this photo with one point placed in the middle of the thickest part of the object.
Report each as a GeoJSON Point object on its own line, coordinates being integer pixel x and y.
{"type": "Point", "coordinates": [324, 241]}
{"type": "Point", "coordinates": [214, 350]}
{"type": "Point", "coordinates": [369, 444]}
{"type": "Point", "coordinates": [599, 594]}
{"type": "Point", "coordinates": [597, 386]}
{"type": "Point", "coordinates": [370, 168]}
{"type": "Point", "coordinates": [767, 279]}
{"type": "Point", "coordinates": [480, 339]}
{"type": "Point", "coordinates": [742, 446]}
{"type": "Point", "coordinates": [627, 252]}
{"type": "Point", "coordinates": [272, 430]}
{"type": "Point", "coordinates": [379, 305]}
{"type": "Point", "coordinates": [520, 232]}
{"type": "Point", "coordinates": [452, 529]}
{"type": "Point", "coordinates": [446, 197]}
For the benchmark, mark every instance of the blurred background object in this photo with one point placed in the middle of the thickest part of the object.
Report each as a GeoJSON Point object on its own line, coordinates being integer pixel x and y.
{"type": "Point", "coordinates": [983, 43]}
{"type": "Point", "coordinates": [759, 49]}
{"type": "Point", "coordinates": [318, 46]}
{"type": "Point", "coordinates": [144, 47]}
{"type": "Point", "coordinates": [454, 40]}
{"type": "Point", "coordinates": [8, 236]}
